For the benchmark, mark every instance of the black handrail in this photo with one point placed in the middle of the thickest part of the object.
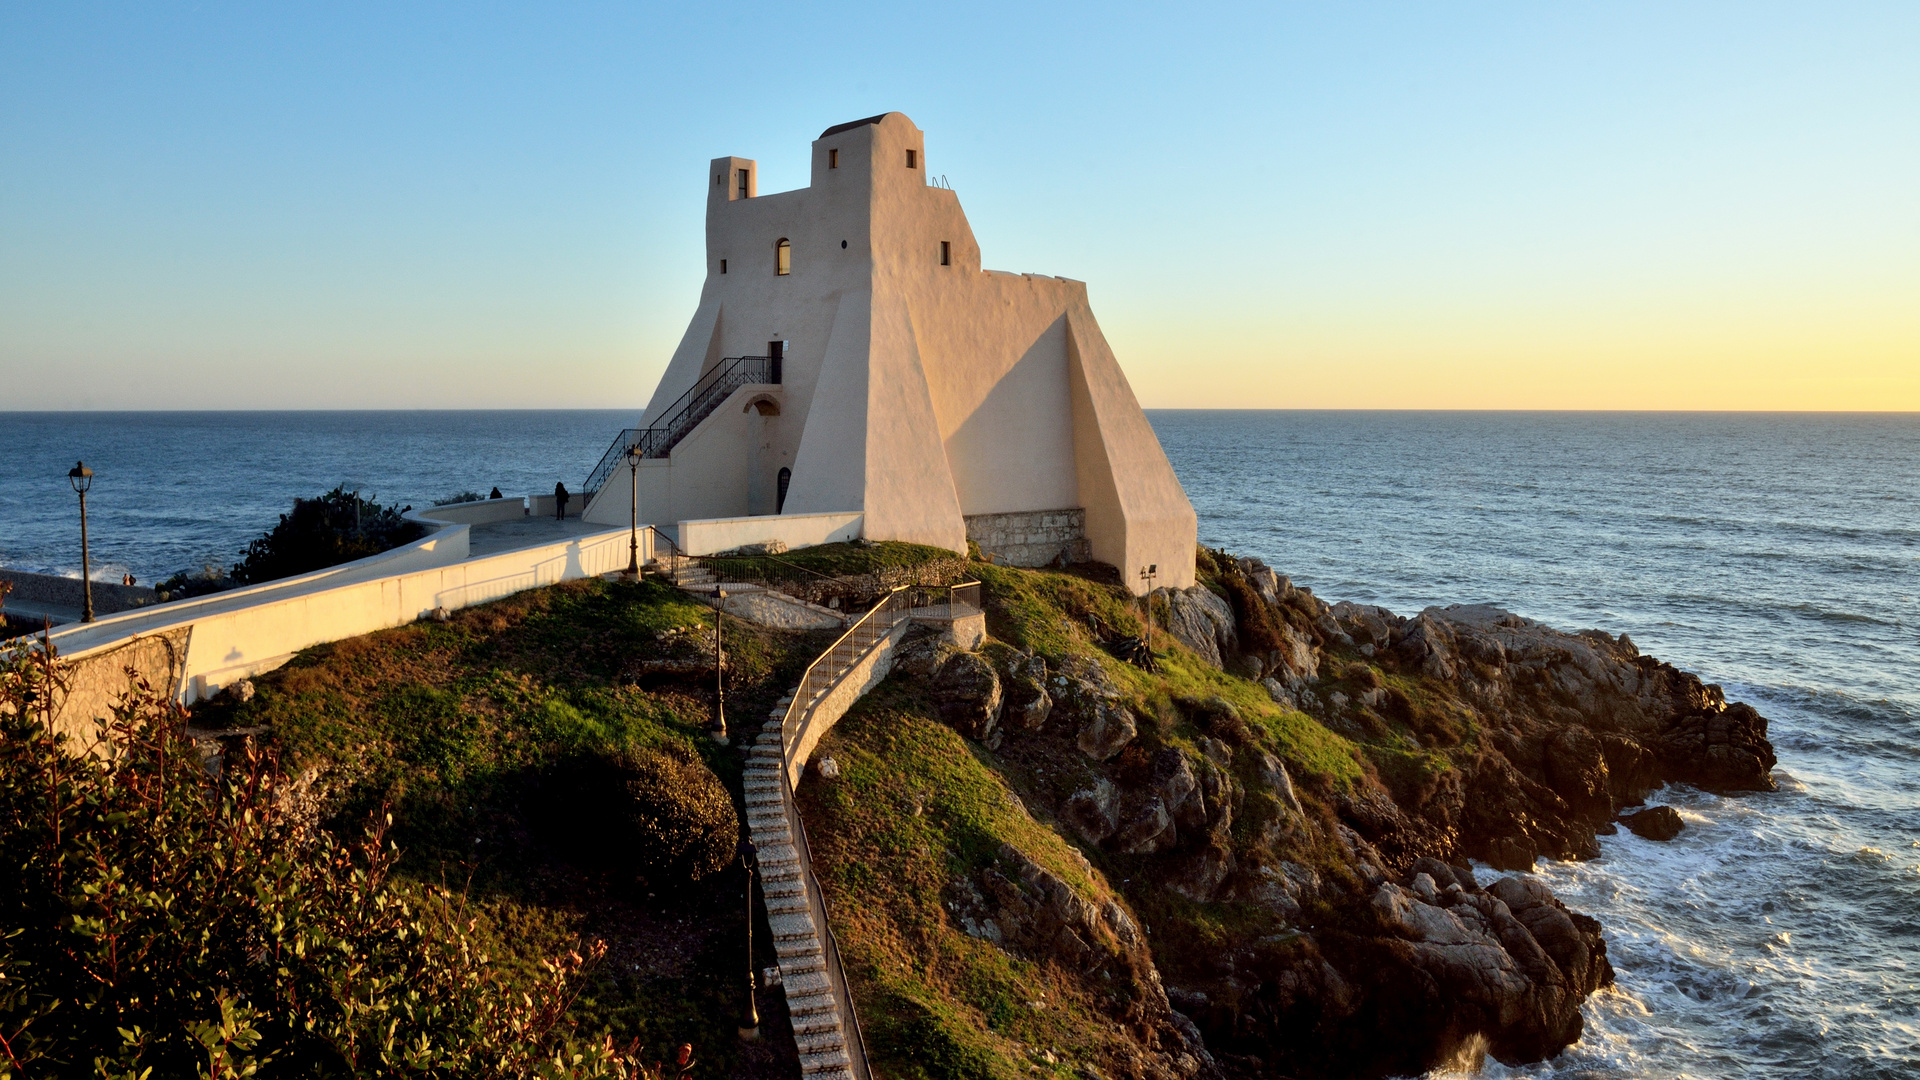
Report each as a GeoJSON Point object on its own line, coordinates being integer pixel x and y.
{"type": "Point", "coordinates": [685, 413]}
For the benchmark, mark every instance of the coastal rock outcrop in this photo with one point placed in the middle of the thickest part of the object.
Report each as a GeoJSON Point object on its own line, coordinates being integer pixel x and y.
{"type": "Point", "coordinates": [1021, 906]}
{"type": "Point", "coordinates": [1459, 734]}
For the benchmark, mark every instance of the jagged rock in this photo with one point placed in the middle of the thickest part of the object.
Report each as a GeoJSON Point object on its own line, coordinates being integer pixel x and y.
{"type": "Point", "coordinates": [967, 693]}
{"type": "Point", "coordinates": [922, 654]}
{"type": "Point", "coordinates": [1178, 788]}
{"type": "Point", "coordinates": [1654, 823]}
{"type": "Point", "coordinates": [1107, 728]}
{"type": "Point", "coordinates": [1366, 624]}
{"type": "Point", "coordinates": [1025, 689]}
{"type": "Point", "coordinates": [1202, 622]}
{"type": "Point", "coordinates": [1199, 875]}
{"type": "Point", "coordinates": [1281, 695]}
{"type": "Point", "coordinates": [1150, 829]}
{"type": "Point", "coordinates": [1723, 750]}
{"type": "Point", "coordinates": [1577, 771]}
{"type": "Point", "coordinates": [1284, 886]}
{"type": "Point", "coordinates": [1093, 812]}
{"type": "Point", "coordinates": [1273, 774]}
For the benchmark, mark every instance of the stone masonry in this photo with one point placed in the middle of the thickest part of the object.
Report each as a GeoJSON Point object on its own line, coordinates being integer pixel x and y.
{"type": "Point", "coordinates": [1032, 538]}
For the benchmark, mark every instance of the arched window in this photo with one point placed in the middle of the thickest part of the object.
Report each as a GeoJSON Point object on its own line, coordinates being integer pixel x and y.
{"type": "Point", "coordinates": [780, 495]}
{"type": "Point", "coordinates": [783, 257]}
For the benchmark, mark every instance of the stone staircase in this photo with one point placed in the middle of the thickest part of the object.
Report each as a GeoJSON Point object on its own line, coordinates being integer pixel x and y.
{"type": "Point", "coordinates": [819, 1029]}
{"type": "Point", "coordinates": [683, 572]}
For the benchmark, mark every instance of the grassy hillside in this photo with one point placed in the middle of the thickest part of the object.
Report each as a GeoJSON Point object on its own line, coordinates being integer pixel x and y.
{"type": "Point", "coordinates": [918, 812]}
{"type": "Point", "coordinates": [459, 730]}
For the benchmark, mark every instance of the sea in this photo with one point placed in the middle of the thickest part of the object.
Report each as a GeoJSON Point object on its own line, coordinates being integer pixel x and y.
{"type": "Point", "coordinates": [1775, 554]}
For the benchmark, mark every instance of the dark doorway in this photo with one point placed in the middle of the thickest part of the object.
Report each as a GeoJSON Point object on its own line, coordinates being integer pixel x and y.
{"type": "Point", "coordinates": [776, 352]}
{"type": "Point", "coordinates": [780, 490]}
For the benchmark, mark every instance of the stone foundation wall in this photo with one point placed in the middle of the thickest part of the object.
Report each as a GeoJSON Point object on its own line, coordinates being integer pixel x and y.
{"type": "Point", "coordinates": [1033, 537]}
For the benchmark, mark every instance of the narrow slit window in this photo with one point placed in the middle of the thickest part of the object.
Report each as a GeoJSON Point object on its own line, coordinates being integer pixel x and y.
{"type": "Point", "coordinates": [743, 183]}
{"type": "Point", "coordinates": [913, 159]}
{"type": "Point", "coordinates": [946, 253]}
{"type": "Point", "coordinates": [723, 266]}
{"type": "Point", "coordinates": [833, 159]}
{"type": "Point", "coordinates": [783, 257]}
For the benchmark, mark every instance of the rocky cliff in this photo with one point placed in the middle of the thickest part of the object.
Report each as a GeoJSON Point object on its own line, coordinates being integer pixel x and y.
{"type": "Point", "coordinates": [1286, 795]}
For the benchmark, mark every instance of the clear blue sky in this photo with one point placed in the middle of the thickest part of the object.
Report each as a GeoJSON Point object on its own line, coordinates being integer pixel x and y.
{"type": "Point", "coordinates": [1477, 205]}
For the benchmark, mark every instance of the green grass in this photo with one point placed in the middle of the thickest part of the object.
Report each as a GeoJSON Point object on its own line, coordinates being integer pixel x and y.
{"type": "Point", "coordinates": [449, 725]}
{"type": "Point", "coordinates": [915, 807]}
{"type": "Point", "coordinates": [839, 560]}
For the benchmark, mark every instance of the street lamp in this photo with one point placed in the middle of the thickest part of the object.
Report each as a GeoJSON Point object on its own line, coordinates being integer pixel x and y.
{"type": "Point", "coordinates": [719, 731]}
{"type": "Point", "coordinates": [633, 514]}
{"type": "Point", "coordinates": [750, 1019]}
{"type": "Point", "coordinates": [81, 478]}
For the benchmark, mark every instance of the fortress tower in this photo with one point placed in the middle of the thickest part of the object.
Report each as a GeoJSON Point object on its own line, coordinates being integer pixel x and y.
{"type": "Point", "coordinates": [850, 354]}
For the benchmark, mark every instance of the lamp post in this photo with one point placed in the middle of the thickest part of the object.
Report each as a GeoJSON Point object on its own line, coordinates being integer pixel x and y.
{"type": "Point", "coordinates": [81, 478]}
{"type": "Point", "coordinates": [750, 1019]}
{"type": "Point", "coordinates": [1147, 574]}
{"type": "Point", "coordinates": [633, 514]}
{"type": "Point", "coordinates": [719, 731]}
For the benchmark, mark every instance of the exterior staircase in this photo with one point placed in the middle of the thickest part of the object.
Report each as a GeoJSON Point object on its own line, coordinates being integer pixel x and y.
{"type": "Point", "coordinates": [684, 572]}
{"type": "Point", "coordinates": [817, 1011]}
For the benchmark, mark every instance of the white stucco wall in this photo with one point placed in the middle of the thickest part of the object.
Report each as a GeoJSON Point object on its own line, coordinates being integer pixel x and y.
{"type": "Point", "coordinates": [715, 535]}
{"type": "Point", "coordinates": [915, 391]}
{"type": "Point", "coordinates": [237, 634]}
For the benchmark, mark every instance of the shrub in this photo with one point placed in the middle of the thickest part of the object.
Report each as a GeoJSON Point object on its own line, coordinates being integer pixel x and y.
{"type": "Point", "coordinates": [462, 497]}
{"type": "Point", "coordinates": [660, 813]}
{"type": "Point", "coordinates": [337, 527]}
{"type": "Point", "coordinates": [190, 583]}
{"type": "Point", "coordinates": [156, 920]}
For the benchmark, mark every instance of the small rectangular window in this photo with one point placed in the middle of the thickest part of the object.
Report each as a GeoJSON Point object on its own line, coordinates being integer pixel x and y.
{"type": "Point", "coordinates": [913, 157]}
{"type": "Point", "coordinates": [833, 159]}
{"type": "Point", "coordinates": [946, 253]}
{"type": "Point", "coordinates": [723, 266]}
{"type": "Point", "coordinates": [743, 183]}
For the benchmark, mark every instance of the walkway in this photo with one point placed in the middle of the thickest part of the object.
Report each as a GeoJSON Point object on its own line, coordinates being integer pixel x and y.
{"type": "Point", "coordinates": [494, 537]}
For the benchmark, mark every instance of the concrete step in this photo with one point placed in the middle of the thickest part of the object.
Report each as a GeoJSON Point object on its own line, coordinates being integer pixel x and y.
{"type": "Point", "coordinates": [812, 1022]}
{"type": "Point", "coordinates": [820, 1042]}
{"type": "Point", "coordinates": [807, 982]}
{"type": "Point", "coordinates": [788, 951]}
{"type": "Point", "coordinates": [813, 1005]}
{"type": "Point", "coordinates": [815, 1064]}
{"type": "Point", "coordinates": [779, 854]}
{"type": "Point", "coordinates": [801, 963]}
{"type": "Point", "coordinates": [781, 905]}
{"type": "Point", "coordinates": [767, 796]}
{"type": "Point", "coordinates": [791, 927]}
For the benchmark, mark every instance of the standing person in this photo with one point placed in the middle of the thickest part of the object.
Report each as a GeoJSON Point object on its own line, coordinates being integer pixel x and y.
{"type": "Point", "coordinates": [560, 498]}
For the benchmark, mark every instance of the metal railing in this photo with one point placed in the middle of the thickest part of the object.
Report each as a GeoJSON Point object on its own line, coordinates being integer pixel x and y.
{"type": "Point", "coordinates": [686, 413]}
{"type": "Point", "coordinates": [948, 602]}
{"type": "Point", "coordinates": [828, 668]}
{"type": "Point", "coordinates": [893, 609]}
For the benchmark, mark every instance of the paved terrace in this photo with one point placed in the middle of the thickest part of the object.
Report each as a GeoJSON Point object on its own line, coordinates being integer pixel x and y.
{"type": "Point", "coordinates": [494, 537]}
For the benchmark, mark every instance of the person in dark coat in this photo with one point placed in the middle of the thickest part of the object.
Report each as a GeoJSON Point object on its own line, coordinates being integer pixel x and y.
{"type": "Point", "coordinates": [495, 494]}
{"type": "Point", "coordinates": [560, 498]}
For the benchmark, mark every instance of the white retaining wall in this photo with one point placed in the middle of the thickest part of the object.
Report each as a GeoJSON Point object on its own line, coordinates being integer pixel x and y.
{"type": "Point", "coordinates": [709, 536]}
{"type": "Point", "coordinates": [244, 632]}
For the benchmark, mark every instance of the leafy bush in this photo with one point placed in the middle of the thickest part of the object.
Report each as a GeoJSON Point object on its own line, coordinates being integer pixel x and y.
{"type": "Point", "coordinates": [190, 583]}
{"type": "Point", "coordinates": [337, 527]}
{"type": "Point", "coordinates": [462, 497]}
{"type": "Point", "coordinates": [157, 920]}
{"type": "Point", "coordinates": [660, 811]}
